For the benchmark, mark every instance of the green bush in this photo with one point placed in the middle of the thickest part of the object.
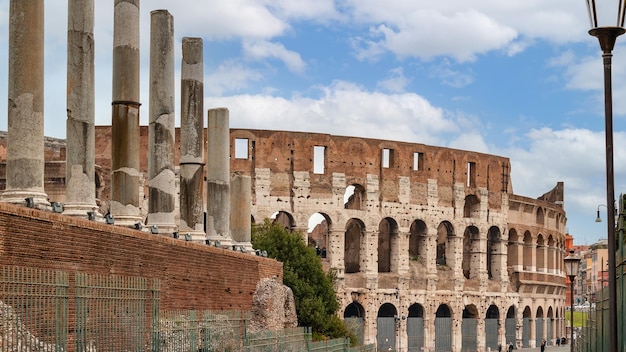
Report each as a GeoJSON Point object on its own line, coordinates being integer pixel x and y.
{"type": "Point", "coordinates": [314, 295]}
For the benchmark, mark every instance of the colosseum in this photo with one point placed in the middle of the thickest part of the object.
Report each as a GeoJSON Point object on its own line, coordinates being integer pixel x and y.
{"type": "Point", "coordinates": [432, 249]}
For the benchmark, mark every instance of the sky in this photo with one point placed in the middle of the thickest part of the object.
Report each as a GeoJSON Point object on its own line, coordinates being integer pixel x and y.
{"type": "Point", "coordinates": [518, 78]}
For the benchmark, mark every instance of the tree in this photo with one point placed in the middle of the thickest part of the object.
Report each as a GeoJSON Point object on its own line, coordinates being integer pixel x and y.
{"type": "Point", "coordinates": [314, 295]}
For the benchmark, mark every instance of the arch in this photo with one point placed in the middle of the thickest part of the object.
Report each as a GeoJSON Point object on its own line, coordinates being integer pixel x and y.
{"type": "Point", "coordinates": [355, 231]}
{"type": "Point", "coordinates": [445, 231]}
{"type": "Point", "coordinates": [469, 328]}
{"type": "Point", "coordinates": [471, 209]}
{"type": "Point", "coordinates": [551, 266]}
{"type": "Point", "coordinates": [493, 251]}
{"type": "Point", "coordinates": [354, 318]}
{"type": "Point", "coordinates": [492, 317]}
{"type": "Point", "coordinates": [418, 238]}
{"type": "Point", "coordinates": [510, 325]}
{"type": "Point", "coordinates": [550, 326]}
{"type": "Point", "coordinates": [471, 251]}
{"type": "Point", "coordinates": [387, 236]}
{"type": "Point", "coordinates": [284, 219]}
{"type": "Point", "coordinates": [512, 256]}
{"type": "Point", "coordinates": [354, 197]}
{"type": "Point", "coordinates": [528, 251]}
{"type": "Point", "coordinates": [443, 328]}
{"type": "Point", "coordinates": [386, 327]}
{"type": "Point", "coordinates": [540, 253]}
{"type": "Point", "coordinates": [527, 316]}
{"type": "Point", "coordinates": [539, 322]}
{"type": "Point", "coordinates": [415, 327]}
{"type": "Point", "coordinates": [539, 218]}
{"type": "Point", "coordinates": [319, 232]}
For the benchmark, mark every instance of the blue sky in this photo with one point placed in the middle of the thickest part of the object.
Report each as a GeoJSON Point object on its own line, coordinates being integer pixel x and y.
{"type": "Point", "coordinates": [516, 78]}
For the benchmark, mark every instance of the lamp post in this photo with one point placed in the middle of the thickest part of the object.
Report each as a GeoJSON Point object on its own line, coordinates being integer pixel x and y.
{"type": "Point", "coordinates": [598, 218]}
{"type": "Point", "coordinates": [572, 264]}
{"type": "Point", "coordinates": [607, 35]}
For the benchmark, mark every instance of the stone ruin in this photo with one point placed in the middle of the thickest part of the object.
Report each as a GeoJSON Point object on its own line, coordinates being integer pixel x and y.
{"type": "Point", "coordinates": [273, 307]}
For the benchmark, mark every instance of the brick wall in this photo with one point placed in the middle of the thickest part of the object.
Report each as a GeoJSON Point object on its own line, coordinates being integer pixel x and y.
{"type": "Point", "coordinates": [193, 276]}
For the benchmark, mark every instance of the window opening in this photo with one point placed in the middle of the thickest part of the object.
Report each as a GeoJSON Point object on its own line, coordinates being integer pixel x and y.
{"type": "Point", "coordinates": [241, 148]}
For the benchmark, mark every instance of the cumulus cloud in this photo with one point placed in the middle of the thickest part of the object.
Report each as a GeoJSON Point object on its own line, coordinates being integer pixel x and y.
{"type": "Point", "coordinates": [344, 108]}
{"type": "Point", "coordinates": [396, 82]}
{"type": "Point", "coordinates": [260, 50]}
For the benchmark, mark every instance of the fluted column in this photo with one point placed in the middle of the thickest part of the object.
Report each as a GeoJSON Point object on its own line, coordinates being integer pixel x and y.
{"type": "Point", "coordinates": [161, 130]}
{"type": "Point", "coordinates": [80, 191]}
{"type": "Point", "coordinates": [218, 176]}
{"type": "Point", "coordinates": [125, 141]}
{"type": "Point", "coordinates": [192, 140]}
{"type": "Point", "coordinates": [25, 140]}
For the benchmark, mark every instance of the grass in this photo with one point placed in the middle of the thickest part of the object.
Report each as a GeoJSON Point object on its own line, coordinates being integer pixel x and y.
{"type": "Point", "coordinates": [580, 318]}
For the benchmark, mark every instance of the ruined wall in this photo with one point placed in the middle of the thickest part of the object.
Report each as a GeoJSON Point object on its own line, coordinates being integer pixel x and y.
{"type": "Point", "coordinates": [193, 276]}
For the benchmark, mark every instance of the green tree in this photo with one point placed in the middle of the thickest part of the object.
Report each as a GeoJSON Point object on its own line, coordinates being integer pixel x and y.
{"type": "Point", "coordinates": [314, 295]}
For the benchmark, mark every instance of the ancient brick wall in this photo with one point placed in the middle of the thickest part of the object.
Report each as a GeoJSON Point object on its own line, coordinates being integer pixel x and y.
{"type": "Point", "coordinates": [193, 276]}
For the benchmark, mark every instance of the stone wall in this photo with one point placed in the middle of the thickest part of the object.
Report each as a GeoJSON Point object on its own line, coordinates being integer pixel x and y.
{"type": "Point", "coordinates": [193, 276]}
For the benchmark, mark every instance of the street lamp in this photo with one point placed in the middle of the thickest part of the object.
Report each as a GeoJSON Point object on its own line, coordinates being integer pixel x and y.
{"type": "Point", "coordinates": [572, 264]}
{"type": "Point", "coordinates": [598, 218]}
{"type": "Point", "coordinates": [607, 35]}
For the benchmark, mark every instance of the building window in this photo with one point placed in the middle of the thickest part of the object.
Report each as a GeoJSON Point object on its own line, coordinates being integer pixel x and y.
{"type": "Point", "coordinates": [471, 174]}
{"type": "Point", "coordinates": [241, 148]}
{"type": "Point", "coordinates": [319, 153]}
{"type": "Point", "coordinates": [418, 161]}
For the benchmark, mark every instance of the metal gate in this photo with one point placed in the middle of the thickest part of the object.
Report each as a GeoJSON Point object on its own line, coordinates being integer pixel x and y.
{"type": "Point", "coordinates": [469, 334]}
{"type": "Point", "coordinates": [357, 327]}
{"type": "Point", "coordinates": [526, 333]}
{"type": "Point", "coordinates": [550, 336]}
{"type": "Point", "coordinates": [443, 334]}
{"type": "Point", "coordinates": [538, 331]}
{"type": "Point", "coordinates": [510, 325]}
{"type": "Point", "coordinates": [386, 333]}
{"type": "Point", "coordinates": [491, 334]}
{"type": "Point", "coordinates": [415, 333]}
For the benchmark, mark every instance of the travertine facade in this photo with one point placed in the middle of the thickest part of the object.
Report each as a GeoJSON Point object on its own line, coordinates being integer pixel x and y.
{"type": "Point", "coordinates": [431, 246]}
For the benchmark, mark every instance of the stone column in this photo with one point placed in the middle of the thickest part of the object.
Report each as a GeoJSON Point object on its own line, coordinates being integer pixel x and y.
{"type": "Point", "coordinates": [125, 141]}
{"type": "Point", "coordinates": [240, 211]}
{"type": "Point", "coordinates": [218, 176]}
{"type": "Point", "coordinates": [25, 139]}
{"type": "Point", "coordinates": [161, 175]}
{"type": "Point", "coordinates": [192, 140]}
{"type": "Point", "coordinates": [80, 191]}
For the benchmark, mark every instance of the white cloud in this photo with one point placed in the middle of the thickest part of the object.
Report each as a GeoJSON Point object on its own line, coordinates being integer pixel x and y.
{"type": "Point", "coordinates": [229, 77]}
{"type": "Point", "coordinates": [344, 108]}
{"type": "Point", "coordinates": [396, 83]}
{"type": "Point", "coordinates": [260, 50]}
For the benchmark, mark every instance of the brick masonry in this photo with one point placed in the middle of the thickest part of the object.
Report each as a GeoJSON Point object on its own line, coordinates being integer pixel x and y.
{"type": "Point", "coordinates": [193, 276]}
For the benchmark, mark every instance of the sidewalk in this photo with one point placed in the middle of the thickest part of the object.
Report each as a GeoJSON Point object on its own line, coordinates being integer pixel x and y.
{"type": "Point", "coordinates": [563, 348]}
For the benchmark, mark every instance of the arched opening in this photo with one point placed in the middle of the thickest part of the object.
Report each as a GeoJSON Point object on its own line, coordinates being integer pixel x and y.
{"type": "Point", "coordinates": [491, 327]}
{"type": "Point", "coordinates": [284, 219]}
{"type": "Point", "coordinates": [386, 327]}
{"type": "Point", "coordinates": [443, 328]}
{"type": "Point", "coordinates": [354, 318]}
{"type": "Point", "coordinates": [550, 327]}
{"type": "Point", "coordinates": [469, 329]}
{"type": "Point", "coordinates": [512, 252]}
{"type": "Point", "coordinates": [444, 250]}
{"type": "Point", "coordinates": [318, 233]}
{"type": "Point", "coordinates": [539, 320]}
{"type": "Point", "coordinates": [471, 209]}
{"type": "Point", "coordinates": [471, 252]}
{"type": "Point", "coordinates": [387, 237]}
{"type": "Point", "coordinates": [541, 254]}
{"type": "Point", "coordinates": [510, 325]}
{"type": "Point", "coordinates": [415, 327]}
{"type": "Point", "coordinates": [539, 217]}
{"type": "Point", "coordinates": [354, 197]}
{"type": "Point", "coordinates": [528, 252]}
{"type": "Point", "coordinates": [355, 230]}
{"type": "Point", "coordinates": [494, 266]}
{"type": "Point", "coordinates": [526, 316]}
{"type": "Point", "coordinates": [418, 239]}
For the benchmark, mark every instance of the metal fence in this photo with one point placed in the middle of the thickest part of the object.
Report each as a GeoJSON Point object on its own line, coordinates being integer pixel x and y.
{"type": "Point", "coordinates": [54, 311]}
